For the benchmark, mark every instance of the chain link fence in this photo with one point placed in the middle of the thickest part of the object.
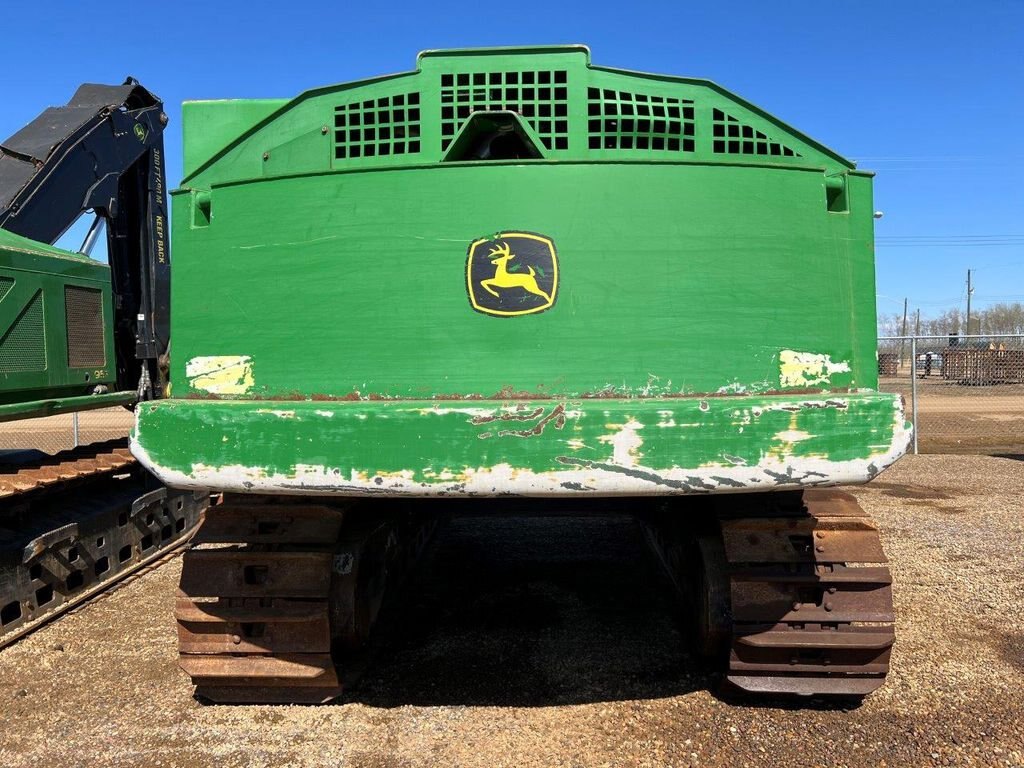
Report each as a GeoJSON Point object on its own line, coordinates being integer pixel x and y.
{"type": "Point", "coordinates": [965, 394]}
{"type": "Point", "coordinates": [60, 433]}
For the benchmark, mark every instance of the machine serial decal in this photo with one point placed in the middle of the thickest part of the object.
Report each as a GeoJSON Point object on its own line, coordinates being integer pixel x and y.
{"type": "Point", "coordinates": [512, 273]}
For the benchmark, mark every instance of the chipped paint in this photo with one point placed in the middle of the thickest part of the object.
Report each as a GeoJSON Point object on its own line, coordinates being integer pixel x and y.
{"type": "Point", "coordinates": [801, 369]}
{"type": "Point", "coordinates": [475, 413]}
{"type": "Point", "coordinates": [787, 442]}
{"type": "Point", "coordinates": [278, 413]}
{"type": "Point", "coordinates": [585, 476]}
{"type": "Point", "coordinates": [625, 443]}
{"type": "Point", "coordinates": [791, 436]}
{"type": "Point", "coordinates": [221, 374]}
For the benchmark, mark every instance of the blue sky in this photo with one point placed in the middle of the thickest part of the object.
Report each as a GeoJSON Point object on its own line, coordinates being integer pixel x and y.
{"type": "Point", "coordinates": [928, 94]}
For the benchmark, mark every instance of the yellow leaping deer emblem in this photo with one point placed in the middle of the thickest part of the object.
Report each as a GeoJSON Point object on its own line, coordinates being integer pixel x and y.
{"type": "Point", "coordinates": [500, 256]}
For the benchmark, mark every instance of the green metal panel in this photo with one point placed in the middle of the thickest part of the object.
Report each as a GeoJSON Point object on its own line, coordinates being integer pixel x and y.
{"type": "Point", "coordinates": [675, 279]}
{"type": "Point", "coordinates": [705, 252]}
{"type": "Point", "coordinates": [206, 123]}
{"type": "Point", "coordinates": [55, 317]}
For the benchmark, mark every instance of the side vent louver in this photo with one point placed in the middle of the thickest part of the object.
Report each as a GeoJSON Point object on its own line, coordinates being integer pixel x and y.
{"type": "Point", "coordinates": [382, 127]}
{"type": "Point", "coordinates": [23, 345]}
{"type": "Point", "coordinates": [84, 312]}
{"type": "Point", "coordinates": [621, 120]}
{"type": "Point", "coordinates": [731, 137]}
{"type": "Point", "coordinates": [541, 97]}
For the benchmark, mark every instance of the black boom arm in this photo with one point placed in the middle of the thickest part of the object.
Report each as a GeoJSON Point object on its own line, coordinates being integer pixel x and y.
{"type": "Point", "coordinates": [103, 151]}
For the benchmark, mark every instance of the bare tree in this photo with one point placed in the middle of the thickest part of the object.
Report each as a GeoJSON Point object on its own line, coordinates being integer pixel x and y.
{"type": "Point", "coordinates": [995, 320]}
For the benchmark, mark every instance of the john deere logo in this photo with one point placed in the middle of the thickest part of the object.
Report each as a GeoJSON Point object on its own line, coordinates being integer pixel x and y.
{"type": "Point", "coordinates": [512, 273]}
{"type": "Point", "coordinates": [140, 132]}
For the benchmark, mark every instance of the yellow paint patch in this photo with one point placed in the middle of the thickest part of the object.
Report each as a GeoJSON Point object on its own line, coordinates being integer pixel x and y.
{"type": "Point", "coordinates": [801, 369]}
{"type": "Point", "coordinates": [221, 374]}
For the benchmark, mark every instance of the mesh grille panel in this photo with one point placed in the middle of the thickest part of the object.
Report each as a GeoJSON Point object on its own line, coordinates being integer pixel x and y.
{"type": "Point", "coordinates": [542, 97]}
{"type": "Point", "coordinates": [731, 137]}
{"type": "Point", "coordinates": [621, 120]}
{"type": "Point", "coordinates": [5, 286]}
{"type": "Point", "coordinates": [23, 347]}
{"type": "Point", "coordinates": [84, 310]}
{"type": "Point", "coordinates": [389, 125]}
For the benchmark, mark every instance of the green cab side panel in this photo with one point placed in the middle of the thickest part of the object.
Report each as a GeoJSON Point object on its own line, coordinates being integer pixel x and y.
{"type": "Point", "coordinates": [56, 317]}
{"type": "Point", "coordinates": [672, 255]}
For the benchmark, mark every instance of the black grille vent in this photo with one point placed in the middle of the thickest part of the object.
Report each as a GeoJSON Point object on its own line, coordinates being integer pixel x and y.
{"type": "Point", "coordinates": [389, 125]}
{"type": "Point", "coordinates": [731, 137]}
{"type": "Point", "coordinates": [542, 97]}
{"type": "Point", "coordinates": [621, 120]}
{"type": "Point", "coordinates": [23, 346]}
{"type": "Point", "coordinates": [84, 311]}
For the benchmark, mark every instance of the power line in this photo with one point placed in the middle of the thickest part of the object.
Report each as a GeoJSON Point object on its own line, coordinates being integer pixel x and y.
{"type": "Point", "coordinates": [952, 237]}
{"type": "Point", "coordinates": [881, 243]}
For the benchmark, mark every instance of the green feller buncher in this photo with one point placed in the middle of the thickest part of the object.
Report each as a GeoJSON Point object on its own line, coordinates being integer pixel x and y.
{"type": "Point", "coordinates": [507, 274]}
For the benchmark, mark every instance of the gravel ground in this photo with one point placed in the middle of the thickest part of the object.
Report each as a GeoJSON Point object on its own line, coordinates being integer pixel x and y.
{"type": "Point", "coordinates": [554, 642]}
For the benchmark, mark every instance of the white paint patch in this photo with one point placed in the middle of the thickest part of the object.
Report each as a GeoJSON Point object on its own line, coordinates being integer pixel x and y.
{"type": "Point", "coordinates": [325, 414]}
{"type": "Point", "coordinates": [802, 369]}
{"type": "Point", "coordinates": [221, 374]}
{"type": "Point", "coordinates": [279, 414]}
{"type": "Point", "coordinates": [791, 436]}
{"type": "Point", "coordinates": [625, 444]}
{"type": "Point", "coordinates": [666, 419]}
{"type": "Point", "coordinates": [474, 412]}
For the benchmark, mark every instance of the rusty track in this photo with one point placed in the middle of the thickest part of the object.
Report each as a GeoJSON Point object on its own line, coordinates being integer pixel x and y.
{"type": "Point", "coordinates": [63, 467]}
{"type": "Point", "coordinates": [791, 595]}
{"type": "Point", "coordinates": [277, 598]}
{"type": "Point", "coordinates": [77, 522]}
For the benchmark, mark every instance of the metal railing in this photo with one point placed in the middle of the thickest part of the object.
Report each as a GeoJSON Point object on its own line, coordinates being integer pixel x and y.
{"type": "Point", "coordinates": [965, 394]}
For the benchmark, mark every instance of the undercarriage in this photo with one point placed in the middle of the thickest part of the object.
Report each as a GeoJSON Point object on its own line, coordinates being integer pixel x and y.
{"type": "Point", "coordinates": [787, 593]}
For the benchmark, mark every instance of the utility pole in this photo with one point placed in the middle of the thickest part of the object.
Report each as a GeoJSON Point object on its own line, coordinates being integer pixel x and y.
{"type": "Point", "coordinates": [903, 341]}
{"type": "Point", "coordinates": [970, 290]}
